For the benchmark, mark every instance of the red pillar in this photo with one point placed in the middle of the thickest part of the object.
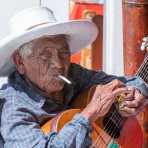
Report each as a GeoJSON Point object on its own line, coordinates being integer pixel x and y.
{"type": "Point", "coordinates": [135, 27]}
{"type": "Point", "coordinates": [81, 11]}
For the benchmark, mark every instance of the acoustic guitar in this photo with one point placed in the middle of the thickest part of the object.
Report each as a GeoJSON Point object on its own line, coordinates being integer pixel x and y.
{"type": "Point", "coordinates": [111, 131]}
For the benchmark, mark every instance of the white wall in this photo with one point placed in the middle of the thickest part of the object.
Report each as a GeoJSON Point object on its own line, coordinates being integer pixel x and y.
{"type": "Point", "coordinates": [60, 7]}
{"type": "Point", "coordinates": [113, 37]}
{"type": "Point", "coordinates": [8, 8]}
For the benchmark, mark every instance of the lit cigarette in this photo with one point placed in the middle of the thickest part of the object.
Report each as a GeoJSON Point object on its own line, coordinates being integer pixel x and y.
{"type": "Point", "coordinates": [64, 79]}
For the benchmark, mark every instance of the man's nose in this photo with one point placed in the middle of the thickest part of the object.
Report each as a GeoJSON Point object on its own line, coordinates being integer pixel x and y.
{"type": "Point", "coordinates": [57, 62]}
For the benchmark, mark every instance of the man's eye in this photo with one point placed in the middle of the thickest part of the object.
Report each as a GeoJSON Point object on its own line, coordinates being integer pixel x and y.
{"type": "Point", "coordinates": [44, 58]}
{"type": "Point", "coordinates": [65, 54]}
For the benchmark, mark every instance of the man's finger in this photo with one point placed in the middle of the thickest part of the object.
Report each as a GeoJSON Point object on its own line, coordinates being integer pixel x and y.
{"type": "Point", "coordinates": [115, 84]}
{"type": "Point", "coordinates": [129, 111]}
{"type": "Point", "coordinates": [134, 103]}
{"type": "Point", "coordinates": [105, 106]}
{"type": "Point", "coordinates": [120, 91]}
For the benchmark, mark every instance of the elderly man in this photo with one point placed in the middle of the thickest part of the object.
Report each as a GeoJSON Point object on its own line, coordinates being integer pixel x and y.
{"type": "Point", "coordinates": [36, 59]}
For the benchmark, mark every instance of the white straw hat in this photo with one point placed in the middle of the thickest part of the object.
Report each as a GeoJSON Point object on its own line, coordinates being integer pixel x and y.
{"type": "Point", "coordinates": [36, 22]}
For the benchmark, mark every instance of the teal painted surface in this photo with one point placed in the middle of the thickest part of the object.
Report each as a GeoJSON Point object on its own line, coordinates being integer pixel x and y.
{"type": "Point", "coordinates": [113, 144]}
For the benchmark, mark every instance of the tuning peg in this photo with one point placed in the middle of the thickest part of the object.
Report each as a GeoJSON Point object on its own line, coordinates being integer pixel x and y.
{"type": "Point", "coordinates": [145, 39]}
{"type": "Point", "coordinates": [144, 44]}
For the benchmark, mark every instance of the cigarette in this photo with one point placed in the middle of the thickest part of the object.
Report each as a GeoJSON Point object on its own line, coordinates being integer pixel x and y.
{"type": "Point", "coordinates": [65, 79]}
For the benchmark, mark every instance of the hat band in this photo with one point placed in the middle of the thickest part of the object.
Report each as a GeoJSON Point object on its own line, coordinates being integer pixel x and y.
{"type": "Point", "coordinates": [36, 25]}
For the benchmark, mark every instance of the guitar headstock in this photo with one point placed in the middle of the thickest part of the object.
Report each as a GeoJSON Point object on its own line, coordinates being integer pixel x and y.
{"type": "Point", "coordinates": [144, 45]}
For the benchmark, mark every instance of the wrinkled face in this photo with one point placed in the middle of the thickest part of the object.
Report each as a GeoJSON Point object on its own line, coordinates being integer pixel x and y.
{"type": "Point", "coordinates": [50, 58]}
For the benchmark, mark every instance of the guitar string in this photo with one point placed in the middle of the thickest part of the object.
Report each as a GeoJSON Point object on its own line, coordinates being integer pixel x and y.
{"type": "Point", "coordinates": [142, 68]}
{"type": "Point", "coordinates": [108, 121]}
{"type": "Point", "coordinates": [112, 134]}
{"type": "Point", "coordinates": [106, 127]}
{"type": "Point", "coordinates": [142, 65]}
{"type": "Point", "coordinates": [146, 75]}
{"type": "Point", "coordinates": [114, 130]}
{"type": "Point", "coordinates": [140, 71]}
{"type": "Point", "coordinates": [143, 74]}
{"type": "Point", "coordinates": [119, 121]}
{"type": "Point", "coordinates": [103, 133]}
{"type": "Point", "coordinates": [146, 70]}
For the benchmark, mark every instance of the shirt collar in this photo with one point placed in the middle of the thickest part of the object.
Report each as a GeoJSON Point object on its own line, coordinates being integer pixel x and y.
{"type": "Point", "coordinates": [18, 82]}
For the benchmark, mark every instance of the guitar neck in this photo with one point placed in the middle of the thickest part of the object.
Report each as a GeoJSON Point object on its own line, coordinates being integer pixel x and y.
{"type": "Point", "coordinates": [143, 70]}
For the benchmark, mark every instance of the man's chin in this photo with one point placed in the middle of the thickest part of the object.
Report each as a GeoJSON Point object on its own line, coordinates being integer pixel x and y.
{"type": "Point", "coordinates": [56, 87]}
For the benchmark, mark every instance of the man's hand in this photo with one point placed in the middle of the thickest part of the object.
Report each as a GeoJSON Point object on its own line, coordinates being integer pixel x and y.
{"type": "Point", "coordinates": [134, 105]}
{"type": "Point", "coordinates": [102, 100]}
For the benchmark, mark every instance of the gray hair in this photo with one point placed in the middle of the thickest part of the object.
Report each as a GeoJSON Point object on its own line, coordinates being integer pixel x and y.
{"type": "Point", "coordinates": [26, 49]}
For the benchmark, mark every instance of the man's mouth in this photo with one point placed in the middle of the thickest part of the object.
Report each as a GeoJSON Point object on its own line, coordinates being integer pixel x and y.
{"type": "Point", "coordinates": [64, 79]}
{"type": "Point", "coordinates": [60, 77]}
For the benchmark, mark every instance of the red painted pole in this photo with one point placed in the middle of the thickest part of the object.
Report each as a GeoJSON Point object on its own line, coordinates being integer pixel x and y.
{"type": "Point", "coordinates": [135, 27]}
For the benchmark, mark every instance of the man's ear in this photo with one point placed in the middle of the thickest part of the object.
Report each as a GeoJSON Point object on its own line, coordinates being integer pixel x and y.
{"type": "Point", "coordinates": [18, 61]}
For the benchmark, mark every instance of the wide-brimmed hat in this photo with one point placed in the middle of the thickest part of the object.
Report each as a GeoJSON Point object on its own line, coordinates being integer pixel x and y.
{"type": "Point", "coordinates": [36, 22]}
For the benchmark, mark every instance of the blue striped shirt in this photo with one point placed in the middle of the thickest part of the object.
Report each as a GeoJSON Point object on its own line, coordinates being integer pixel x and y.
{"type": "Point", "coordinates": [25, 110]}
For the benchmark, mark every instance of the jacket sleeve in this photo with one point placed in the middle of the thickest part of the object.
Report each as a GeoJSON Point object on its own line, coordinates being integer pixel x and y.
{"type": "Point", "coordinates": [20, 129]}
{"type": "Point", "coordinates": [88, 78]}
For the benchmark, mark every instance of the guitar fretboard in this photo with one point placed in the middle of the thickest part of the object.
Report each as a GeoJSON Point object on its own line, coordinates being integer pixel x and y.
{"type": "Point", "coordinates": [143, 70]}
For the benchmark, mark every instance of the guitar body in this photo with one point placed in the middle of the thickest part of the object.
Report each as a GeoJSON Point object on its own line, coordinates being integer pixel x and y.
{"type": "Point", "coordinates": [131, 135]}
